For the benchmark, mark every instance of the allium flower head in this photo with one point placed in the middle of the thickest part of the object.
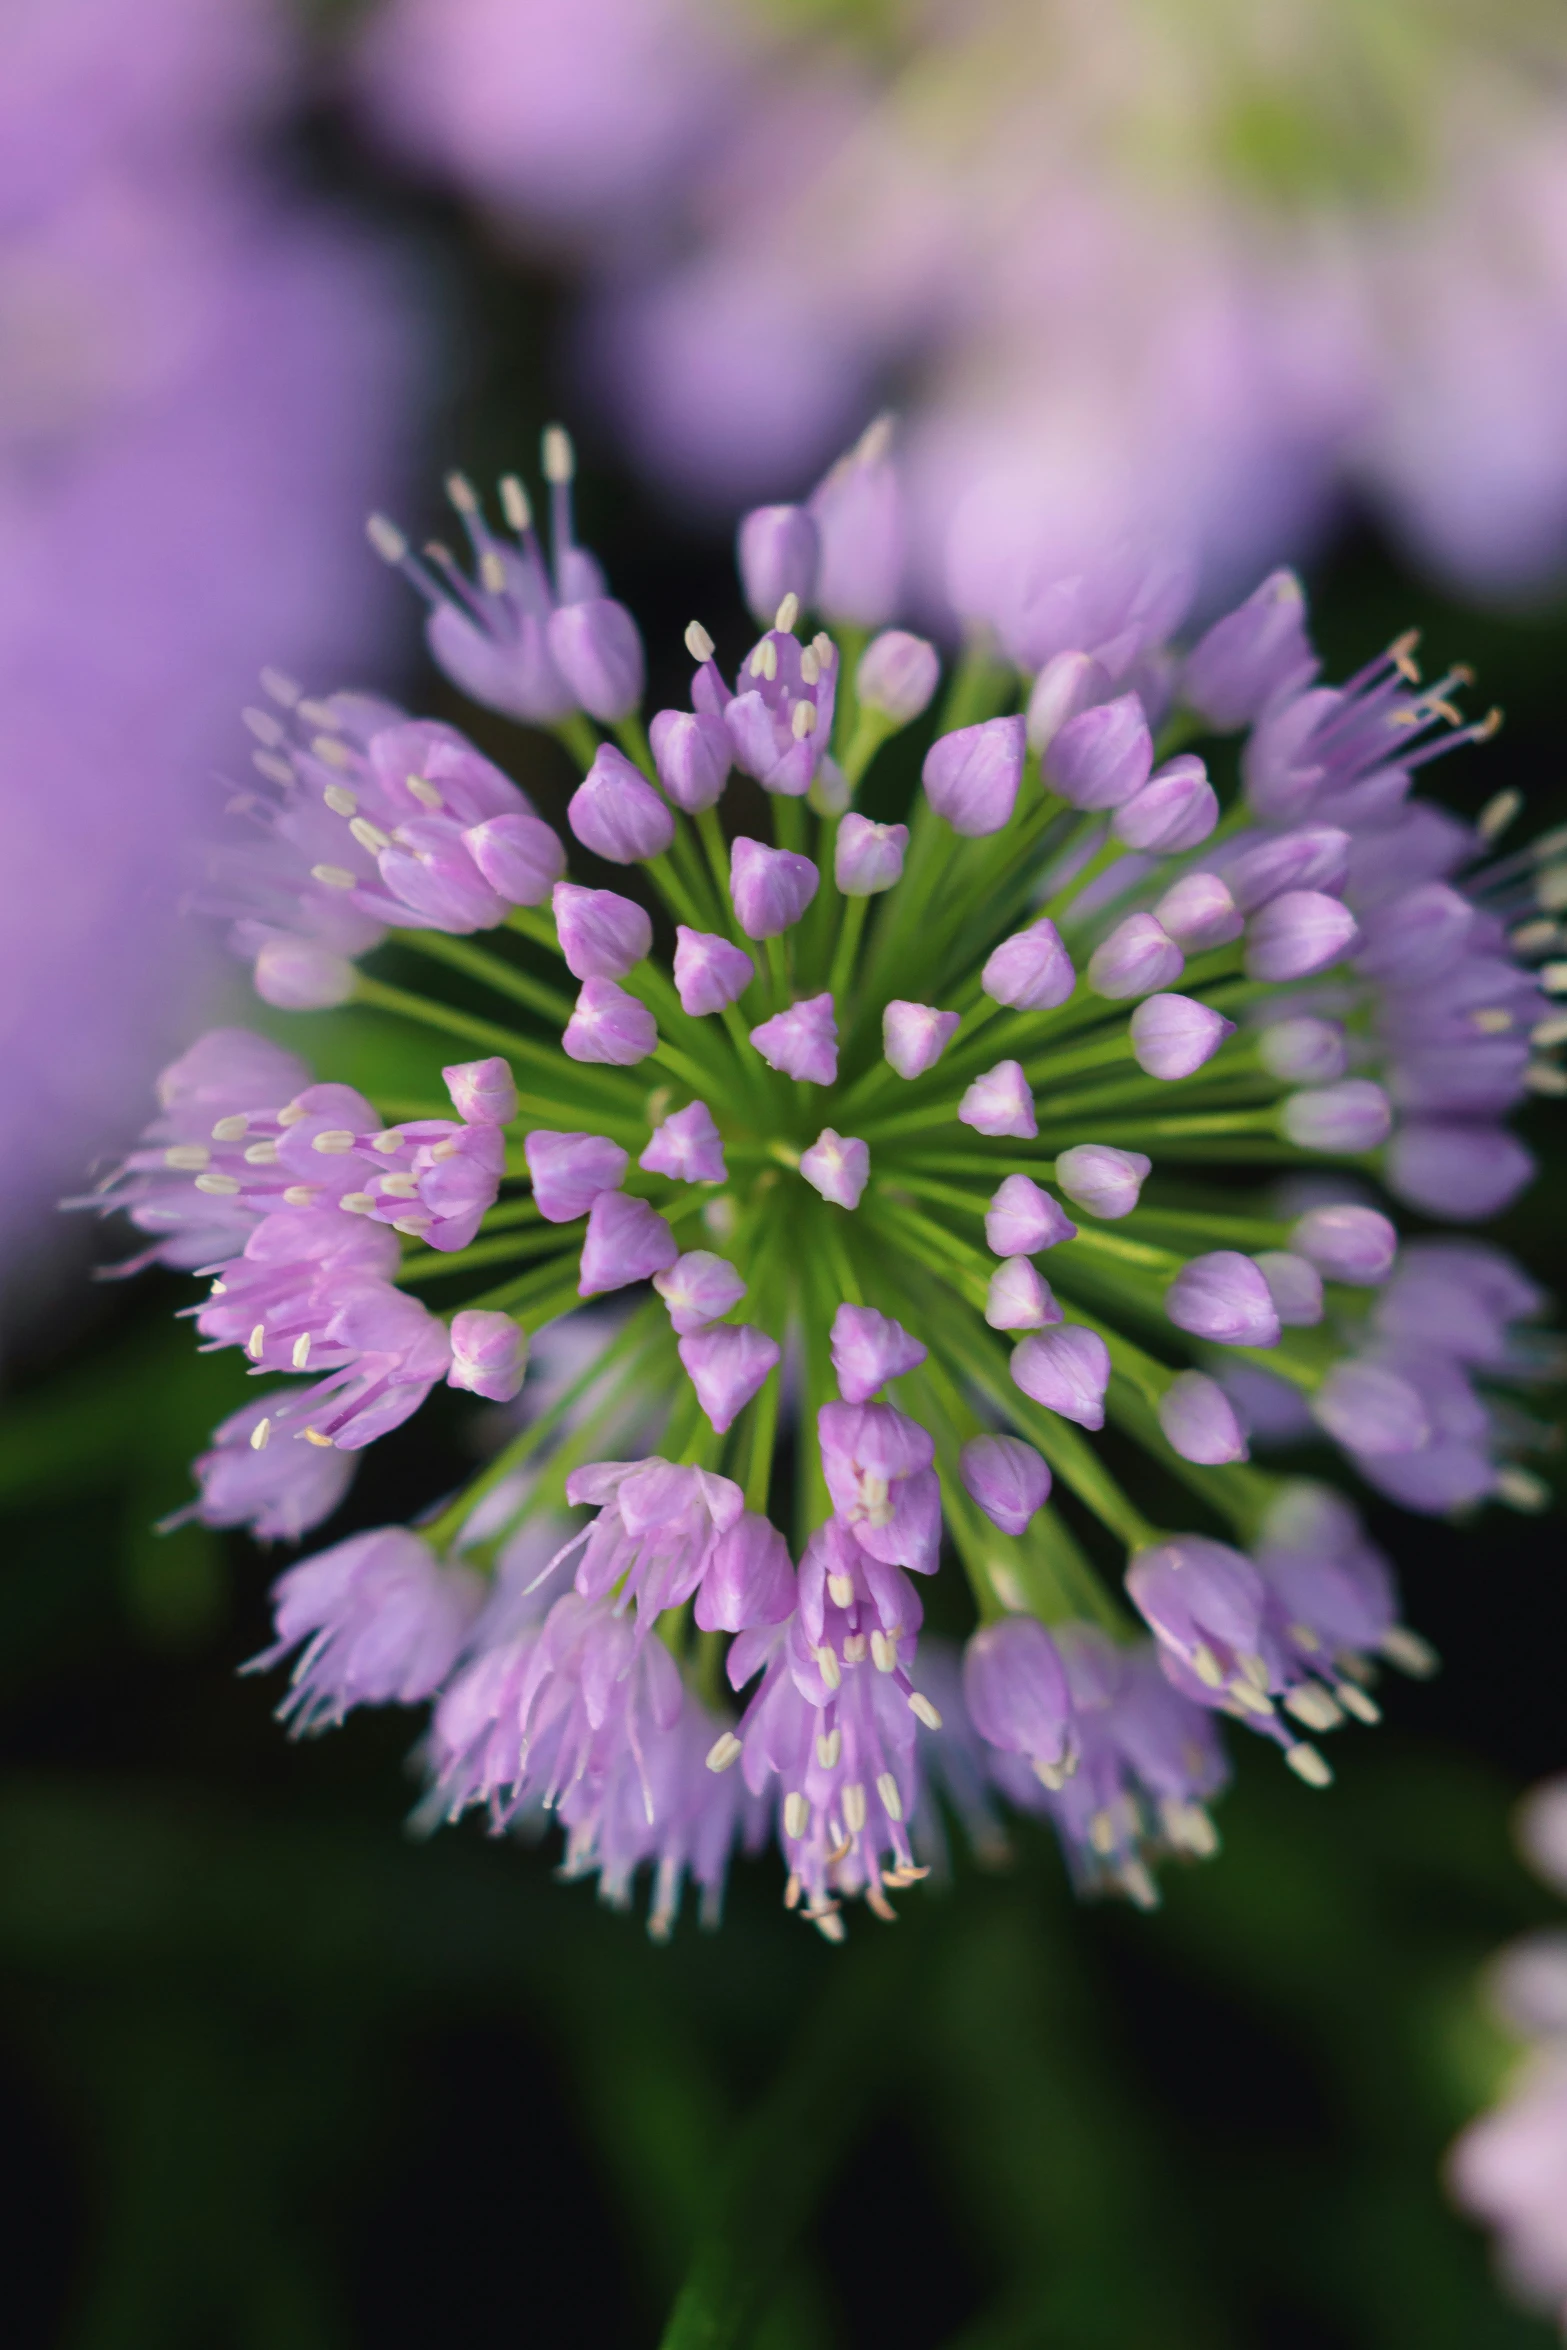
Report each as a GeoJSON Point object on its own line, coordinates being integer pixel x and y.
{"type": "Point", "coordinates": [886, 1111]}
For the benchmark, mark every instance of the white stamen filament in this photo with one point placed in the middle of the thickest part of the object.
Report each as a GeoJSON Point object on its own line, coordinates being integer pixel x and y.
{"type": "Point", "coordinates": [341, 800]}
{"type": "Point", "coordinates": [357, 1203]}
{"type": "Point", "coordinates": [232, 1129]}
{"type": "Point", "coordinates": [560, 458]}
{"type": "Point", "coordinates": [334, 876]}
{"type": "Point", "coordinates": [459, 489]}
{"type": "Point", "coordinates": [1308, 1764]}
{"type": "Point", "coordinates": [841, 1588]}
{"type": "Point", "coordinates": [854, 1808]}
{"type": "Point", "coordinates": [447, 1149]}
{"type": "Point", "coordinates": [259, 1434]}
{"type": "Point", "coordinates": [724, 1751]}
{"type": "Point", "coordinates": [923, 1711]}
{"type": "Point", "coordinates": [314, 1436]}
{"type": "Point", "coordinates": [255, 1344]}
{"type": "Point", "coordinates": [797, 1816]}
{"type": "Point", "coordinates": [301, 1355]}
{"type": "Point", "coordinates": [425, 793]}
{"type": "Point", "coordinates": [699, 644]}
{"type": "Point", "coordinates": [399, 1186]}
{"type": "Point", "coordinates": [787, 614]}
{"type": "Point", "coordinates": [891, 1800]}
{"type": "Point", "coordinates": [334, 1141]}
{"type": "Point", "coordinates": [387, 540]}
{"type": "Point", "coordinates": [187, 1158]}
{"type": "Point", "coordinates": [370, 836]}
{"type": "Point", "coordinates": [292, 1114]}
{"type": "Point", "coordinates": [810, 667]}
{"type": "Point", "coordinates": [387, 1141]}
{"type": "Point", "coordinates": [264, 727]}
{"type": "Point", "coordinates": [262, 1153]}
{"type": "Point", "coordinates": [884, 1653]}
{"type": "Point", "coordinates": [300, 1195]}
{"type": "Point", "coordinates": [764, 661]}
{"type": "Point", "coordinates": [492, 573]}
{"type": "Point", "coordinates": [515, 505]}
{"type": "Point", "coordinates": [827, 1666]}
{"type": "Point", "coordinates": [330, 751]}
{"type": "Point", "coordinates": [828, 1748]}
{"type": "Point", "coordinates": [220, 1186]}
{"type": "Point", "coordinates": [803, 722]}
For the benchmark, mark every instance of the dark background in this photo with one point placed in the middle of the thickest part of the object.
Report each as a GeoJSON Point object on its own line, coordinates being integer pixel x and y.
{"type": "Point", "coordinates": [273, 2075]}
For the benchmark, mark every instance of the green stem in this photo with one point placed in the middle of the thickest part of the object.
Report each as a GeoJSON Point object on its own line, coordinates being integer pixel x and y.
{"type": "Point", "coordinates": [631, 735]}
{"type": "Point", "coordinates": [848, 948]}
{"type": "Point", "coordinates": [579, 738]}
{"type": "Point", "coordinates": [473, 1030]}
{"type": "Point", "coordinates": [492, 971]}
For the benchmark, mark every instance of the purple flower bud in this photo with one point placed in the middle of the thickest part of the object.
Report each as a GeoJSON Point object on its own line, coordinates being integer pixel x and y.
{"type": "Point", "coordinates": [609, 1025]}
{"type": "Point", "coordinates": [802, 1042]}
{"type": "Point", "coordinates": [1303, 1051]}
{"type": "Point", "coordinates": [709, 971]}
{"type": "Point", "coordinates": [778, 553]}
{"type": "Point", "coordinates": [1223, 1297]}
{"type": "Point", "coordinates": [698, 1288]}
{"type": "Point", "coordinates": [1371, 1409]}
{"type": "Point", "coordinates": [687, 1146]}
{"type": "Point", "coordinates": [616, 813]}
{"type": "Point", "coordinates": [897, 676]}
{"type": "Point", "coordinates": [1006, 1479]}
{"type": "Point", "coordinates": [692, 751]}
{"type": "Point", "coordinates": [1298, 934]}
{"type": "Point", "coordinates": [1138, 956]}
{"type": "Point", "coordinates": [838, 1166]}
{"type": "Point", "coordinates": [602, 936]}
{"type": "Point", "coordinates": [625, 1242]}
{"type": "Point", "coordinates": [869, 857]}
{"type": "Point", "coordinates": [858, 511]}
{"type": "Point", "coordinates": [596, 648]}
{"type": "Point", "coordinates": [1315, 857]}
{"type": "Point", "coordinates": [1102, 756]}
{"type": "Point", "coordinates": [568, 1171]}
{"type": "Point", "coordinates": [1466, 1172]}
{"type": "Point", "coordinates": [1199, 913]}
{"type": "Point", "coordinates": [489, 1354]}
{"type": "Point", "coordinates": [1175, 810]}
{"type": "Point", "coordinates": [519, 857]}
{"type": "Point", "coordinates": [1067, 684]}
{"type": "Point", "coordinates": [1018, 1299]}
{"type": "Point", "coordinates": [427, 868]}
{"type": "Point", "coordinates": [914, 1036]}
{"type": "Point", "coordinates": [1022, 1219]}
{"type": "Point", "coordinates": [1173, 1035]}
{"type": "Point", "coordinates": [1066, 1370]}
{"type": "Point", "coordinates": [1295, 1287]}
{"type": "Point", "coordinates": [1415, 935]}
{"type": "Point", "coordinates": [1031, 971]}
{"type": "Point", "coordinates": [483, 1093]}
{"type": "Point", "coordinates": [1015, 1688]}
{"type": "Point", "coordinates": [749, 1578]}
{"type": "Point", "coordinates": [972, 777]}
{"type": "Point", "coordinates": [1105, 1181]}
{"type": "Point", "coordinates": [1205, 1602]}
{"type": "Point", "coordinates": [1347, 1243]}
{"type": "Point", "coordinates": [1000, 1102]}
{"type": "Point", "coordinates": [299, 976]}
{"type": "Point", "coordinates": [1353, 1116]}
{"type": "Point", "coordinates": [727, 1365]}
{"type": "Point", "coordinates": [868, 1349]}
{"type": "Point", "coordinates": [1255, 655]}
{"type": "Point", "coordinates": [1199, 1420]}
{"type": "Point", "coordinates": [771, 888]}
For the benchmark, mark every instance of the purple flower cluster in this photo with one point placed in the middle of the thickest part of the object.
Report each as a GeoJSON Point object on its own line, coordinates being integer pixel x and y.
{"type": "Point", "coordinates": [889, 1076]}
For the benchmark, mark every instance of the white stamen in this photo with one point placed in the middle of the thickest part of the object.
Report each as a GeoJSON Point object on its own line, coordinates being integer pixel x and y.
{"type": "Point", "coordinates": [1544, 1077]}
{"type": "Point", "coordinates": [884, 1653]}
{"type": "Point", "coordinates": [187, 1158]}
{"type": "Point", "coordinates": [261, 1154]}
{"type": "Point", "coordinates": [854, 1649]}
{"type": "Point", "coordinates": [827, 1666]}
{"type": "Point", "coordinates": [334, 1141]}
{"type": "Point", "coordinates": [797, 1816]}
{"type": "Point", "coordinates": [764, 660]}
{"type": "Point", "coordinates": [514, 504]}
{"type": "Point", "coordinates": [445, 1150]}
{"type": "Point", "coordinates": [1311, 1704]}
{"type": "Point", "coordinates": [232, 1129]}
{"type": "Point", "coordinates": [274, 769]}
{"type": "Point", "coordinates": [1410, 1652]}
{"type": "Point", "coordinates": [300, 1195]}
{"type": "Point", "coordinates": [854, 1808]}
{"type": "Point", "coordinates": [803, 722]}
{"type": "Point", "coordinates": [876, 439]}
{"type": "Point", "coordinates": [699, 644]}
{"type": "Point", "coordinates": [330, 751]}
{"type": "Point", "coordinates": [259, 1434]}
{"type": "Point", "coordinates": [922, 1710]}
{"type": "Point", "coordinates": [1551, 1030]}
{"type": "Point", "coordinates": [385, 537]}
{"type": "Point", "coordinates": [825, 650]}
{"type": "Point", "coordinates": [1308, 1764]}
{"type": "Point", "coordinates": [264, 727]}
{"type": "Point", "coordinates": [1050, 1774]}
{"type": "Point", "coordinates": [334, 877]}
{"type": "Point", "coordinates": [314, 1436]}
{"type": "Point", "coordinates": [386, 1142]}
{"type": "Point", "coordinates": [1206, 1666]}
{"type": "Point", "coordinates": [281, 687]}
{"type": "Point", "coordinates": [560, 458]}
{"type": "Point", "coordinates": [255, 1344]}
{"type": "Point", "coordinates": [810, 667]}
{"type": "Point", "coordinates": [358, 1203]}
{"type": "Point", "coordinates": [828, 1924]}
{"type": "Point", "coordinates": [301, 1354]}
{"type": "Point", "coordinates": [460, 491]}
{"type": "Point", "coordinates": [1498, 813]}
{"type": "Point", "coordinates": [891, 1800]}
{"type": "Point", "coordinates": [1491, 1020]}
{"type": "Point", "coordinates": [291, 1113]}
{"type": "Point", "coordinates": [1355, 1701]}
{"type": "Point", "coordinates": [400, 1186]}
{"type": "Point", "coordinates": [1550, 889]}
{"type": "Point", "coordinates": [412, 1227]}
{"type": "Point", "coordinates": [341, 800]}
{"type": "Point", "coordinates": [841, 1587]}
{"type": "Point", "coordinates": [724, 1751]}
{"type": "Point", "coordinates": [787, 614]}
{"type": "Point", "coordinates": [492, 573]}
{"type": "Point", "coordinates": [1101, 1831]}
{"type": "Point", "coordinates": [1534, 938]}
{"type": "Point", "coordinates": [1553, 978]}
{"type": "Point", "coordinates": [370, 836]}
{"type": "Point", "coordinates": [425, 792]}
{"type": "Point", "coordinates": [828, 1748]}
{"type": "Point", "coordinates": [1520, 1489]}
{"type": "Point", "coordinates": [1248, 1697]}
{"type": "Point", "coordinates": [221, 1186]}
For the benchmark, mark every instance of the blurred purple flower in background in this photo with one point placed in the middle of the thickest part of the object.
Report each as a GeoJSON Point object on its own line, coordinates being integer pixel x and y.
{"type": "Point", "coordinates": [1119, 271]}
{"type": "Point", "coordinates": [203, 382]}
